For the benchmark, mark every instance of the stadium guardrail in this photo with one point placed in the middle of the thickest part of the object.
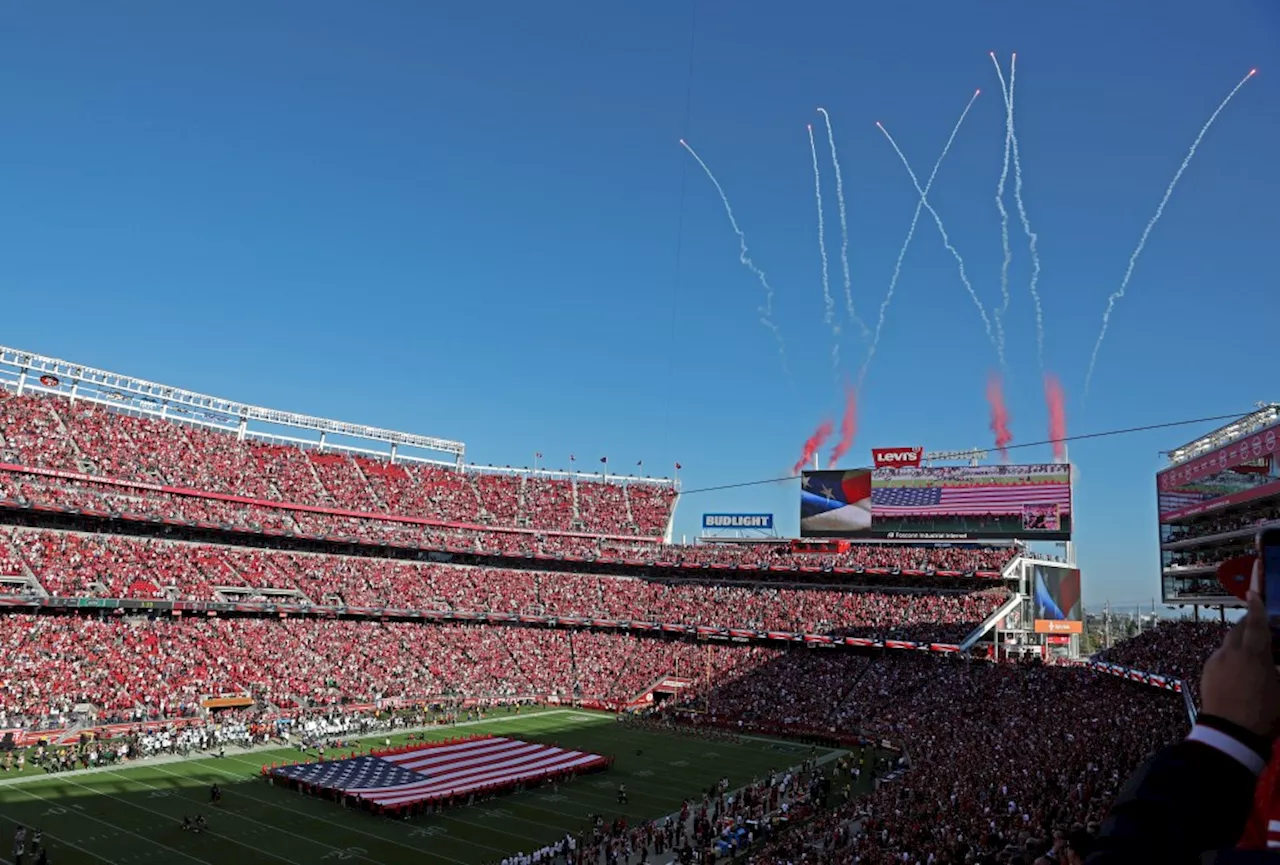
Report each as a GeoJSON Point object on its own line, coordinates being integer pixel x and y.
{"type": "Point", "coordinates": [445, 547]}
{"type": "Point", "coordinates": [1165, 683]}
{"type": "Point", "coordinates": [62, 474]}
{"type": "Point", "coordinates": [702, 632]}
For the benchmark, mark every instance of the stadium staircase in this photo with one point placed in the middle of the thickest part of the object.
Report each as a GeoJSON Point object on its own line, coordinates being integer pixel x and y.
{"type": "Point", "coordinates": [576, 522]}
{"type": "Point", "coordinates": [612, 690]}
{"type": "Point", "coordinates": [82, 461]}
{"type": "Point", "coordinates": [364, 479]}
{"type": "Point", "coordinates": [668, 533]}
{"type": "Point", "coordinates": [325, 495]}
{"type": "Point", "coordinates": [626, 498]}
{"type": "Point", "coordinates": [514, 662]}
{"type": "Point", "coordinates": [573, 669]}
{"type": "Point", "coordinates": [522, 518]}
{"type": "Point", "coordinates": [990, 622]}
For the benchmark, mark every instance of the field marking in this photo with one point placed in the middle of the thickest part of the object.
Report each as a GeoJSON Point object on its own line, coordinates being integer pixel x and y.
{"type": "Point", "coordinates": [81, 813]}
{"type": "Point", "coordinates": [61, 842]}
{"type": "Point", "coordinates": [528, 724]}
{"type": "Point", "coordinates": [278, 829]}
{"type": "Point", "coordinates": [266, 801]}
{"type": "Point", "coordinates": [31, 776]}
{"type": "Point", "coordinates": [167, 817]}
{"type": "Point", "coordinates": [443, 816]}
{"type": "Point", "coordinates": [480, 809]}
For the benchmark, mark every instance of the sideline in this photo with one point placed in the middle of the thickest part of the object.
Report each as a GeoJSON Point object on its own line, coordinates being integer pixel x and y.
{"type": "Point", "coordinates": [239, 750]}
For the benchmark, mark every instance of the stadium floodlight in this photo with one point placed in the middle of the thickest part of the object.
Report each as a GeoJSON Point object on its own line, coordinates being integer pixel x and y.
{"type": "Point", "coordinates": [973, 455]}
{"type": "Point", "coordinates": [1265, 415]}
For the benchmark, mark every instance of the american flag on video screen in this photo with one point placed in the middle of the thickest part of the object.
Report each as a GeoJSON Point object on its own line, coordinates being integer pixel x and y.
{"type": "Point", "coordinates": [437, 772]}
{"type": "Point", "coordinates": [944, 501]}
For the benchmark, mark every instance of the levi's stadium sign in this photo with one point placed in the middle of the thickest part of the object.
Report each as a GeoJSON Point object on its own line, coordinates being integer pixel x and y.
{"type": "Point", "coordinates": [890, 458]}
{"type": "Point", "coordinates": [737, 521]}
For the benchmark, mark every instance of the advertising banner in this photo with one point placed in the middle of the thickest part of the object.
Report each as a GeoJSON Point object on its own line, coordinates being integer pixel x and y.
{"type": "Point", "coordinates": [737, 521]}
{"type": "Point", "coordinates": [1056, 594]}
{"type": "Point", "coordinates": [1233, 474]}
{"type": "Point", "coordinates": [888, 458]}
{"type": "Point", "coordinates": [950, 503]}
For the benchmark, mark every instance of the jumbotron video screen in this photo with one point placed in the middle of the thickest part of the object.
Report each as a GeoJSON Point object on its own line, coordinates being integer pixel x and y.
{"type": "Point", "coordinates": [1032, 502]}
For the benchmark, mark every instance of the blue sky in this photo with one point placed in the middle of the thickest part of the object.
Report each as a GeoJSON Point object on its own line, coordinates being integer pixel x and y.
{"type": "Point", "coordinates": [468, 222]}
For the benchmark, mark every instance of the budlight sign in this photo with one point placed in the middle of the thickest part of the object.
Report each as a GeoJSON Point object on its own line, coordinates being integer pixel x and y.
{"type": "Point", "coordinates": [722, 522]}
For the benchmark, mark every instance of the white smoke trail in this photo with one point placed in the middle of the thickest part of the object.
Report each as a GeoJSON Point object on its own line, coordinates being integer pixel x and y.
{"type": "Point", "coordinates": [844, 229]}
{"type": "Point", "coordinates": [902, 253]}
{"type": "Point", "coordinates": [766, 311]}
{"type": "Point", "coordinates": [946, 240]}
{"type": "Point", "coordinates": [1004, 213]}
{"type": "Point", "coordinates": [830, 313]}
{"type": "Point", "coordinates": [1124, 283]}
{"type": "Point", "coordinates": [1022, 214]}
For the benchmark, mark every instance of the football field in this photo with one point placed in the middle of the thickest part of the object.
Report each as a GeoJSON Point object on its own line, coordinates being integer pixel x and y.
{"type": "Point", "coordinates": [133, 813]}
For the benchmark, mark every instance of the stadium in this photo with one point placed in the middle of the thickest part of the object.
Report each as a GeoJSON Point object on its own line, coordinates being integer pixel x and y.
{"type": "Point", "coordinates": [294, 291]}
{"type": "Point", "coordinates": [300, 611]}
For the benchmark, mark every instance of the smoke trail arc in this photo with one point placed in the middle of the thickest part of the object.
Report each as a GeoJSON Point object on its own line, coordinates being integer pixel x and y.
{"type": "Point", "coordinates": [812, 444]}
{"type": "Point", "coordinates": [848, 427]}
{"type": "Point", "coordinates": [844, 229]}
{"type": "Point", "coordinates": [946, 240]}
{"type": "Point", "coordinates": [829, 311]}
{"type": "Point", "coordinates": [902, 252]}
{"type": "Point", "coordinates": [1004, 212]}
{"type": "Point", "coordinates": [1057, 404]}
{"type": "Point", "coordinates": [765, 311]}
{"type": "Point", "coordinates": [1142, 242]}
{"type": "Point", "coordinates": [1032, 237]}
{"type": "Point", "coordinates": [999, 415]}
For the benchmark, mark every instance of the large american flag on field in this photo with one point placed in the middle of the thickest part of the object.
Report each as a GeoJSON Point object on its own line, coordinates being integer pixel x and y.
{"type": "Point", "coordinates": [437, 771]}
{"type": "Point", "coordinates": [967, 499]}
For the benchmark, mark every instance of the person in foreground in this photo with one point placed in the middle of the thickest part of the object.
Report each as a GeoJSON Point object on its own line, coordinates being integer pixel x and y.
{"type": "Point", "coordinates": [1190, 802]}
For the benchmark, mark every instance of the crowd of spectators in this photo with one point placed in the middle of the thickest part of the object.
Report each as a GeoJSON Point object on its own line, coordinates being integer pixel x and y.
{"type": "Point", "coordinates": [1223, 523]}
{"type": "Point", "coordinates": [1003, 760]}
{"type": "Point", "coordinates": [512, 514]}
{"type": "Point", "coordinates": [1201, 559]}
{"type": "Point", "coordinates": [52, 433]}
{"type": "Point", "coordinates": [136, 670]}
{"type": "Point", "coordinates": [1177, 649]}
{"type": "Point", "coordinates": [69, 564]}
{"type": "Point", "coordinates": [98, 498]}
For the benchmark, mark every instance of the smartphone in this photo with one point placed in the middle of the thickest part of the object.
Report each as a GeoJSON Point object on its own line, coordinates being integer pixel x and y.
{"type": "Point", "coordinates": [1269, 556]}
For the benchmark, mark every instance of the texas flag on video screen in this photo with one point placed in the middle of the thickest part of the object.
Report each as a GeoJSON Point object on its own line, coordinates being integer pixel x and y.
{"type": "Point", "coordinates": [835, 501]}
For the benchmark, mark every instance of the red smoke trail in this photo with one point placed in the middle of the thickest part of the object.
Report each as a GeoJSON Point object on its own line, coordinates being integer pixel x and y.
{"type": "Point", "coordinates": [1057, 415]}
{"type": "Point", "coordinates": [811, 445]}
{"type": "Point", "coordinates": [999, 415]}
{"type": "Point", "coordinates": [848, 425]}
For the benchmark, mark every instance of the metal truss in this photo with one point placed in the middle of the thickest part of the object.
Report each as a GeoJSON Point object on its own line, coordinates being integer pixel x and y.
{"type": "Point", "coordinates": [74, 380]}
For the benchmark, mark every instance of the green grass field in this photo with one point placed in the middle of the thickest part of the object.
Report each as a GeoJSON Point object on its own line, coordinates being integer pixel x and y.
{"type": "Point", "coordinates": [132, 814]}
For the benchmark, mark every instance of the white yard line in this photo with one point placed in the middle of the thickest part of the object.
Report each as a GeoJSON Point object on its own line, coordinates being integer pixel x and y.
{"type": "Point", "coordinates": [270, 826]}
{"type": "Point", "coordinates": [321, 818]}
{"type": "Point", "coordinates": [81, 813]}
{"type": "Point", "coordinates": [169, 818]}
{"type": "Point", "coordinates": [159, 759]}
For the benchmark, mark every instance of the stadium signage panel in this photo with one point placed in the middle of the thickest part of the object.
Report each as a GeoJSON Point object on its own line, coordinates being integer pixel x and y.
{"type": "Point", "coordinates": [1056, 595]}
{"type": "Point", "coordinates": [891, 457]}
{"type": "Point", "coordinates": [737, 521]}
{"type": "Point", "coordinates": [1237, 472]}
{"type": "Point", "coordinates": [944, 503]}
